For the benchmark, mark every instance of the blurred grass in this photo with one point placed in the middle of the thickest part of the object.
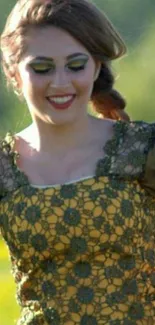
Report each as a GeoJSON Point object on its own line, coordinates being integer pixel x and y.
{"type": "Point", "coordinates": [9, 310]}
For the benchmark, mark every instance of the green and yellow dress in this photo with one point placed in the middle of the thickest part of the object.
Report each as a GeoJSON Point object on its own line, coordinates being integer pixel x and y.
{"type": "Point", "coordinates": [83, 253]}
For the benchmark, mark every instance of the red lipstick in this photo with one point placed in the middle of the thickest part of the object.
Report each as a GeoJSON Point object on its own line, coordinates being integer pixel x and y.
{"type": "Point", "coordinates": [61, 105]}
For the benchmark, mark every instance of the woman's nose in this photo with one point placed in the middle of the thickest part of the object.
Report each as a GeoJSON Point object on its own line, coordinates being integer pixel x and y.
{"type": "Point", "coordinates": [60, 79]}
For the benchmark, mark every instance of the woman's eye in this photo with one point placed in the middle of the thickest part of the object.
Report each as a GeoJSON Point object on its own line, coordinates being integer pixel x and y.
{"type": "Point", "coordinates": [77, 66]}
{"type": "Point", "coordinates": [42, 68]}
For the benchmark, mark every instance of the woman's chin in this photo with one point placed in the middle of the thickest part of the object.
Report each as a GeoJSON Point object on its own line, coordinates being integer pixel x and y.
{"type": "Point", "coordinates": [56, 119]}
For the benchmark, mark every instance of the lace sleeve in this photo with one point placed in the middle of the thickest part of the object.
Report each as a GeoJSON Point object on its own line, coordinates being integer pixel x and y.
{"type": "Point", "coordinates": [7, 169]}
{"type": "Point", "coordinates": [126, 154]}
{"type": "Point", "coordinates": [145, 155]}
{"type": "Point", "coordinates": [149, 176]}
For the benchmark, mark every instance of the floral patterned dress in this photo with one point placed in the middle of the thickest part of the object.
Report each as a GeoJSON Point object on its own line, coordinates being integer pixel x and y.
{"type": "Point", "coordinates": [83, 253]}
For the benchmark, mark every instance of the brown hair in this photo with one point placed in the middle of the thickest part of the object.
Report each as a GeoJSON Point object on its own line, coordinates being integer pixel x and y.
{"type": "Point", "coordinates": [86, 23]}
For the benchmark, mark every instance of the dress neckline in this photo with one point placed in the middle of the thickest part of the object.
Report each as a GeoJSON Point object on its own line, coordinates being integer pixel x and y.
{"type": "Point", "coordinates": [102, 165]}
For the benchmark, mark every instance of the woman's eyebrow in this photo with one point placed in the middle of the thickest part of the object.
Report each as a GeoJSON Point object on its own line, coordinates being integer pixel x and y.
{"type": "Point", "coordinates": [45, 58]}
{"type": "Point", "coordinates": [72, 56]}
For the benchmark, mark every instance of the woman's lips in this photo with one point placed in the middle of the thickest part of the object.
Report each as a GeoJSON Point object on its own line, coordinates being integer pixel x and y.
{"type": "Point", "coordinates": [61, 102]}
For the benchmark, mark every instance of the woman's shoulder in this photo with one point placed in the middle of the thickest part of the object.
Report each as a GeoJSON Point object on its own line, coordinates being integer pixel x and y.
{"type": "Point", "coordinates": [130, 151]}
{"type": "Point", "coordinates": [141, 130]}
{"type": "Point", "coordinates": [138, 143]}
{"type": "Point", "coordinates": [125, 136]}
{"type": "Point", "coordinates": [8, 170]}
{"type": "Point", "coordinates": [135, 136]}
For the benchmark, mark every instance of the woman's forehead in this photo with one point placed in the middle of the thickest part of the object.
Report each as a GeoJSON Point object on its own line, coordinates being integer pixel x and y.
{"type": "Point", "coordinates": [52, 42]}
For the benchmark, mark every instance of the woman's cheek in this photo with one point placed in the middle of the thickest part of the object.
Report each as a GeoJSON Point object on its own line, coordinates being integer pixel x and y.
{"type": "Point", "coordinates": [85, 80]}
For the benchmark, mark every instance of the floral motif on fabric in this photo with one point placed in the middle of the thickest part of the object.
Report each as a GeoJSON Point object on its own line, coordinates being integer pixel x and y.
{"type": "Point", "coordinates": [84, 253]}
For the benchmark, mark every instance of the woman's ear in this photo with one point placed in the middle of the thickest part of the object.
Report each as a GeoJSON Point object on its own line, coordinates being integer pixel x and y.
{"type": "Point", "coordinates": [18, 79]}
{"type": "Point", "coordinates": [97, 70]}
{"type": "Point", "coordinates": [17, 84]}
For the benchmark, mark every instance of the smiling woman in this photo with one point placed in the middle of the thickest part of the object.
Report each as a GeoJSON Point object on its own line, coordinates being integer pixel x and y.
{"type": "Point", "coordinates": [77, 192]}
{"type": "Point", "coordinates": [104, 45]}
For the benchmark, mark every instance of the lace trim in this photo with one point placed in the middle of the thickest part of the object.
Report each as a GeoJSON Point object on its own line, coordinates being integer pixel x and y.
{"type": "Point", "coordinates": [12, 177]}
{"type": "Point", "coordinates": [125, 153]}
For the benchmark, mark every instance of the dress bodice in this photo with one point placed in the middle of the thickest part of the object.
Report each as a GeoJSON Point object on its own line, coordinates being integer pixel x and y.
{"type": "Point", "coordinates": [84, 253]}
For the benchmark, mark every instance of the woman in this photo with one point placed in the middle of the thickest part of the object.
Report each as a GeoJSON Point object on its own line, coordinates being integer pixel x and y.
{"type": "Point", "coordinates": [77, 196]}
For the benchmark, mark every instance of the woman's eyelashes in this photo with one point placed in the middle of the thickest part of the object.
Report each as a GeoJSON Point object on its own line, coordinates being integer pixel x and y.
{"type": "Point", "coordinates": [43, 67]}
{"type": "Point", "coordinates": [77, 65]}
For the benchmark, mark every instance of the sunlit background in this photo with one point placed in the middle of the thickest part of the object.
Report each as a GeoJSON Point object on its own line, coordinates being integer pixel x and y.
{"type": "Point", "coordinates": [135, 79]}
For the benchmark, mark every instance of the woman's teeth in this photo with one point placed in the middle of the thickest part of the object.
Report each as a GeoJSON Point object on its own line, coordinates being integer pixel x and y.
{"type": "Point", "coordinates": [60, 100]}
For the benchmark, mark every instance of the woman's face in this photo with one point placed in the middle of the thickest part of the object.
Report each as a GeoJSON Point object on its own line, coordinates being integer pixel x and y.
{"type": "Point", "coordinates": [56, 76]}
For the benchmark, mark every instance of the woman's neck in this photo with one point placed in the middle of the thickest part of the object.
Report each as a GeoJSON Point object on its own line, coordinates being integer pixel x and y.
{"type": "Point", "coordinates": [56, 139]}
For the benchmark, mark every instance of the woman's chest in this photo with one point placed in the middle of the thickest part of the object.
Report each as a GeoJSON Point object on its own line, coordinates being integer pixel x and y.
{"type": "Point", "coordinates": [51, 170]}
{"type": "Point", "coordinates": [83, 217]}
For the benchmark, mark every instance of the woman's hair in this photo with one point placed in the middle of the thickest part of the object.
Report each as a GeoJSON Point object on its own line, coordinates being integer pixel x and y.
{"type": "Point", "coordinates": [83, 21]}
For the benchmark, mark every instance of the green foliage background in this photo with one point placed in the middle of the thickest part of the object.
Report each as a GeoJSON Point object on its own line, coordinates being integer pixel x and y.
{"type": "Point", "coordinates": [135, 79]}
